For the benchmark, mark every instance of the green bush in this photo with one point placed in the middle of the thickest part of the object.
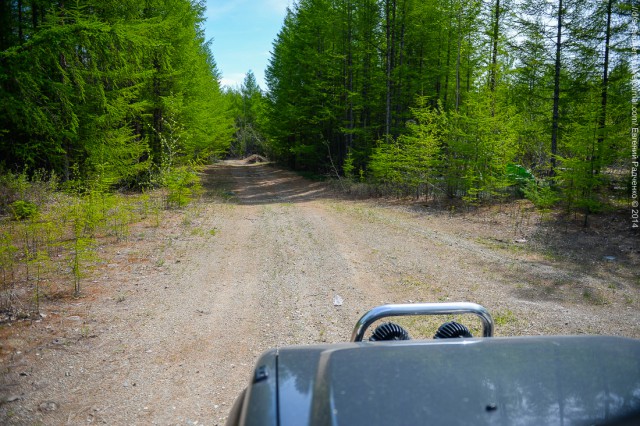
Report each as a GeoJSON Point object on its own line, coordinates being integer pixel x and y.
{"type": "Point", "coordinates": [183, 183]}
{"type": "Point", "coordinates": [12, 187]}
{"type": "Point", "coordinates": [23, 209]}
{"type": "Point", "coordinates": [541, 194]}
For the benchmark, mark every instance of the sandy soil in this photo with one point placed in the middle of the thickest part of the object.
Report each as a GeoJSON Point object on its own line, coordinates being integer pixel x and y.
{"type": "Point", "coordinates": [170, 327]}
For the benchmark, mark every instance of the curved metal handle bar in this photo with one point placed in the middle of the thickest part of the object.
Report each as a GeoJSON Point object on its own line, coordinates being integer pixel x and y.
{"type": "Point", "coordinates": [422, 309]}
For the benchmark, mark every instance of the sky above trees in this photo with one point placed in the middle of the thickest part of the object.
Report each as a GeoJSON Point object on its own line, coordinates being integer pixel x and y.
{"type": "Point", "coordinates": [243, 32]}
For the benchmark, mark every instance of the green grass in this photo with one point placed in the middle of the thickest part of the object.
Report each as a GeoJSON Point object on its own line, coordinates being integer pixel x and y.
{"type": "Point", "coordinates": [504, 317]}
{"type": "Point", "coordinates": [594, 297]}
{"type": "Point", "coordinates": [495, 244]}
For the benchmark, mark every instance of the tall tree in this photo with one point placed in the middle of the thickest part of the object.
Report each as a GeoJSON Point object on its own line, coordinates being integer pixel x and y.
{"type": "Point", "coordinates": [248, 108]}
{"type": "Point", "coordinates": [556, 88]}
{"type": "Point", "coordinates": [99, 88]}
{"type": "Point", "coordinates": [514, 80]}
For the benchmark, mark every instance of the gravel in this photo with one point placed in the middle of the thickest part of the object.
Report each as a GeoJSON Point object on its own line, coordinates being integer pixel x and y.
{"type": "Point", "coordinates": [173, 325]}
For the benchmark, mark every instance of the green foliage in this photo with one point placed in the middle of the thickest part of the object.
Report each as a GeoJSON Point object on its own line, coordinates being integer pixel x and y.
{"type": "Point", "coordinates": [582, 155]}
{"type": "Point", "coordinates": [64, 236]}
{"type": "Point", "coordinates": [13, 187]}
{"type": "Point", "coordinates": [40, 261]}
{"type": "Point", "coordinates": [82, 250]}
{"type": "Point", "coordinates": [23, 209]}
{"type": "Point", "coordinates": [542, 195]}
{"type": "Point", "coordinates": [248, 106]}
{"type": "Point", "coordinates": [483, 141]}
{"type": "Point", "coordinates": [412, 161]}
{"type": "Point", "coordinates": [348, 167]}
{"type": "Point", "coordinates": [460, 154]}
{"type": "Point", "coordinates": [85, 215]}
{"type": "Point", "coordinates": [308, 91]}
{"type": "Point", "coordinates": [89, 88]}
{"type": "Point", "coordinates": [182, 183]}
{"type": "Point", "coordinates": [118, 219]}
{"type": "Point", "coordinates": [518, 175]}
{"type": "Point", "coordinates": [116, 94]}
{"type": "Point", "coordinates": [516, 100]}
{"type": "Point", "coordinates": [35, 189]}
{"type": "Point", "coordinates": [8, 251]}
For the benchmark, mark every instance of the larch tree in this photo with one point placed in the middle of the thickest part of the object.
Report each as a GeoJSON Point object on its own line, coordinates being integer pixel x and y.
{"type": "Point", "coordinates": [101, 89]}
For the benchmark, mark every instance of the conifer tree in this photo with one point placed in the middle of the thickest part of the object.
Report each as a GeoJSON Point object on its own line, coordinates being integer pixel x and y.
{"type": "Point", "coordinates": [87, 88]}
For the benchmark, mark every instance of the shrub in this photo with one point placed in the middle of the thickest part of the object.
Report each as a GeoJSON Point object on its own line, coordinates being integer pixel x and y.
{"type": "Point", "coordinates": [12, 187]}
{"type": "Point", "coordinates": [541, 194]}
{"type": "Point", "coordinates": [23, 209]}
{"type": "Point", "coordinates": [182, 183]}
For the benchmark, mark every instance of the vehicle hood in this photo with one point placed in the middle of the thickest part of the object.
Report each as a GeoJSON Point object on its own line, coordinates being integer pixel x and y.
{"type": "Point", "coordinates": [511, 381]}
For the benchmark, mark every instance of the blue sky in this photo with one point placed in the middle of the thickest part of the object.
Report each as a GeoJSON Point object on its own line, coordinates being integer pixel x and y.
{"type": "Point", "coordinates": [243, 32]}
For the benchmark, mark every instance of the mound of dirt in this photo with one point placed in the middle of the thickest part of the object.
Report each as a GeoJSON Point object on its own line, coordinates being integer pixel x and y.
{"type": "Point", "coordinates": [255, 158]}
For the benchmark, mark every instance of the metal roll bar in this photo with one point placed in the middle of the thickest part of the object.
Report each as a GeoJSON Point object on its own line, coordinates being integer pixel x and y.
{"type": "Point", "coordinates": [422, 309]}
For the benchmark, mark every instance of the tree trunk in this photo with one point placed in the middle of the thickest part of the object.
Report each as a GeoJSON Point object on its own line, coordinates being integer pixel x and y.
{"type": "Point", "coordinates": [439, 69]}
{"type": "Point", "coordinates": [400, 83]}
{"type": "Point", "coordinates": [5, 24]}
{"type": "Point", "coordinates": [556, 93]}
{"type": "Point", "coordinates": [602, 120]}
{"type": "Point", "coordinates": [20, 32]}
{"type": "Point", "coordinates": [494, 57]}
{"type": "Point", "coordinates": [468, 83]}
{"type": "Point", "coordinates": [67, 142]}
{"type": "Point", "coordinates": [458, 62]}
{"type": "Point", "coordinates": [350, 115]}
{"type": "Point", "coordinates": [34, 15]}
{"type": "Point", "coordinates": [156, 144]}
{"type": "Point", "coordinates": [390, 38]}
{"type": "Point", "coordinates": [446, 68]}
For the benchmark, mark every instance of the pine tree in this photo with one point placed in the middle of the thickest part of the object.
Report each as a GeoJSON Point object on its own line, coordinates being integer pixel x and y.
{"type": "Point", "coordinates": [90, 86]}
{"type": "Point", "coordinates": [247, 105]}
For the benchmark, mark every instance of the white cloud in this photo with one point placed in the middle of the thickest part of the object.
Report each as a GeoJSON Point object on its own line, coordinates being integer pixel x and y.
{"type": "Point", "coordinates": [279, 5]}
{"type": "Point", "coordinates": [232, 80]}
{"type": "Point", "coordinates": [218, 8]}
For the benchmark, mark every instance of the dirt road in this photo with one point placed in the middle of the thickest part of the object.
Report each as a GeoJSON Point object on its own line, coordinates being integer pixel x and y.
{"type": "Point", "coordinates": [173, 333]}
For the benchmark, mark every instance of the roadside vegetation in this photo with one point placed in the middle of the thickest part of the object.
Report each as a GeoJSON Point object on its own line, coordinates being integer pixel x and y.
{"type": "Point", "coordinates": [107, 111]}
{"type": "Point", "coordinates": [52, 234]}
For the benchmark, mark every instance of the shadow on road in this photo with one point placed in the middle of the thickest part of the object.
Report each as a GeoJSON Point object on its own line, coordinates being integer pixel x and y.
{"type": "Point", "coordinates": [260, 184]}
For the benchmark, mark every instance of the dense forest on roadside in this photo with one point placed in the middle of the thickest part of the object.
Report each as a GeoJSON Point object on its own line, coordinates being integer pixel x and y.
{"type": "Point", "coordinates": [453, 98]}
{"type": "Point", "coordinates": [97, 96]}
{"type": "Point", "coordinates": [116, 91]}
{"type": "Point", "coordinates": [475, 100]}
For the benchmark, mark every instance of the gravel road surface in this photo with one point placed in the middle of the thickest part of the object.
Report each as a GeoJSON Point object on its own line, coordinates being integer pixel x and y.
{"type": "Point", "coordinates": [172, 333]}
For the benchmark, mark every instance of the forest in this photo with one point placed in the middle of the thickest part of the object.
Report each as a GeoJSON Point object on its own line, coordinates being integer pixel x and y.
{"type": "Point", "coordinates": [473, 100]}
{"type": "Point", "coordinates": [108, 109]}
{"type": "Point", "coordinates": [114, 92]}
{"type": "Point", "coordinates": [477, 100]}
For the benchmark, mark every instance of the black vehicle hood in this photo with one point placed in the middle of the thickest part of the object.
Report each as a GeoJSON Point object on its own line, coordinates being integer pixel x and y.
{"type": "Point", "coordinates": [511, 381]}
